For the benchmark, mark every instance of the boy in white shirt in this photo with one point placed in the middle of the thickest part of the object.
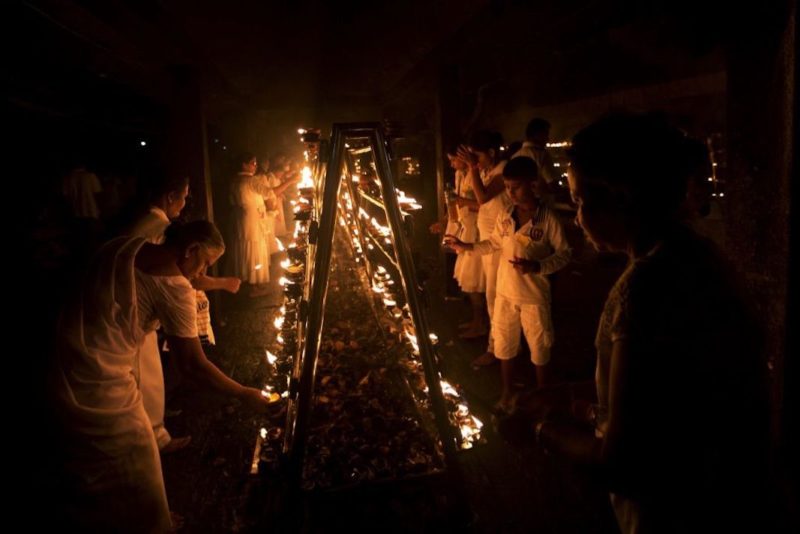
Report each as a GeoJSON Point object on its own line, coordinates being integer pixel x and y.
{"type": "Point", "coordinates": [532, 244]}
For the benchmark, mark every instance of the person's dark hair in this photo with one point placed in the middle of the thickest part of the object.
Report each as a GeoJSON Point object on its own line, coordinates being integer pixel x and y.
{"type": "Point", "coordinates": [204, 233]}
{"type": "Point", "coordinates": [536, 126]}
{"type": "Point", "coordinates": [452, 148]}
{"type": "Point", "coordinates": [167, 183]}
{"type": "Point", "coordinates": [636, 163]}
{"type": "Point", "coordinates": [245, 157]}
{"type": "Point", "coordinates": [521, 168]}
{"type": "Point", "coordinates": [485, 140]}
{"type": "Point", "coordinates": [513, 148]}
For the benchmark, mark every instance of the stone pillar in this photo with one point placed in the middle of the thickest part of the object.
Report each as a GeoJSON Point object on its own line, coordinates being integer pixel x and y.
{"type": "Point", "coordinates": [447, 130]}
{"type": "Point", "coordinates": [187, 144]}
{"type": "Point", "coordinates": [762, 122]}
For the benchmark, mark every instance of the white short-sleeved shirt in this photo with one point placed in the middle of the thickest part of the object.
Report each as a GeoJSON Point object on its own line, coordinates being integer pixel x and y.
{"type": "Point", "coordinates": [170, 300]}
{"type": "Point", "coordinates": [542, 158]}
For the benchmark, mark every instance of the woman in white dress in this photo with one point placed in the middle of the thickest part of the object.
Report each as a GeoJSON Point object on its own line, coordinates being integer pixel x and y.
{"type": "Point", "coordinates": [485, 171]}
{"type": "Point", "coordinates": [166, 205]}
{"type": "Point", "coordinates": [279, 179]}
{"type": "Point", "coordinates": [468, 269]}
{"type": "Point", "coordinates": [168, 199]}
{"type": "Point", "coordinates": [251, 229]}
{"type": "Point", "coordinates": [262, 184]}
{"type": "Point", "coordinates": [113, 480]}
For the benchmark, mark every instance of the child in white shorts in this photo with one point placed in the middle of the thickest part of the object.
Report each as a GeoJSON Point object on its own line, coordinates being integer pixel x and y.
{"type": "Point", "coordinates": [532, 244]}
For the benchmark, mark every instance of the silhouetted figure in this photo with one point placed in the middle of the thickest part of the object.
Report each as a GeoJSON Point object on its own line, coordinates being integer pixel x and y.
{"type": "Point", "coordinates": [677, 425]}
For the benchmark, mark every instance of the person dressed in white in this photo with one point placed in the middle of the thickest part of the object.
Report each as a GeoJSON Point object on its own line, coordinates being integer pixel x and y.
{"type": "Point", "coordinates": [468, 270]}
{"type": "Point", "coordinates": [462, 221]}
{"type": "Point", "coordinates": [272, 180]}
{"type": "Point", "coordinates": [252, 233]}
{"type": "Point", "coordinates": [537, 135]}
{"type": "Point", "coordinates": [79, 188]}
{"type": "Point", "coordinates": [272, 187]}
{"type": "Point", "coordinates": [168, 199]}
{"type": "Point", "coordinates": [485, 171]}
{"type": "Point", "coordinates": [113, 480]}
{"type": "Point", "coordinates": [151, 226]}
{"type": "Point", "coordinates": [532, 245]}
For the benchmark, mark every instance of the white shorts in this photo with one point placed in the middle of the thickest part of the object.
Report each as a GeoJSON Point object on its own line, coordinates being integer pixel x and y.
{"type": "Point", "coordinates": [532, 319]}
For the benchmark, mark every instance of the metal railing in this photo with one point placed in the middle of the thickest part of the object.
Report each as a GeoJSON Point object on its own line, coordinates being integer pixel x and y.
{"type": "Point", "coordinates": [338, 162]}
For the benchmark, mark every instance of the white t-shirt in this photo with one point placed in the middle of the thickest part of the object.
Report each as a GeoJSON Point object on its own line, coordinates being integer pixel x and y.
{"type": "Point", "coordinates": [170, 300]}
{"type": "Point", "coordinates": [542, 158]}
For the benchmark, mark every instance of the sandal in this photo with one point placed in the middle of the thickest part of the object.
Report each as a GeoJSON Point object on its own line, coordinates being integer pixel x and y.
{"type": "Point", "coordinates": [176, 521]}
{"type": "Point", "coordinates": [176, 444]}
{"type": "Point", "coordinates": [506, 408]}
{"type": "Point", "coordinates": [485, 360]}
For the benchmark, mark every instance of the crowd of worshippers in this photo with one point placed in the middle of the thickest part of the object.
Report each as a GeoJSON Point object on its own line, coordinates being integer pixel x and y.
{"type": "Point", "coordinates": [672, 423]}
{"type": "Point", "coordinates": [150, 282]}
{"type": "Point", "coordinates": [675, 421]}
{"type": "Point", "coordinates": [508, 240]}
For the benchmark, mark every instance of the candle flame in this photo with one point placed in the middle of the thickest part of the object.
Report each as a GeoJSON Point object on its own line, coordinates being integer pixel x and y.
{"type": "Point", "coordinates": [447, 389]}
{"type": "Point", "coordinates": [306, 181]}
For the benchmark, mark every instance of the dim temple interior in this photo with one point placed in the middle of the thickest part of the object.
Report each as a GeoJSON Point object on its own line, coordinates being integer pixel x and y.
{"type": "Point", "coordinates": [402, 266]}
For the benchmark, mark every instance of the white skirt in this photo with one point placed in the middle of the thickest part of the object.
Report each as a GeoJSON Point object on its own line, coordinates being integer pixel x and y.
{"type": "Point", "coordinates": [469, 272]}
{"type": "Point", "coordinates": [251, 261]}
